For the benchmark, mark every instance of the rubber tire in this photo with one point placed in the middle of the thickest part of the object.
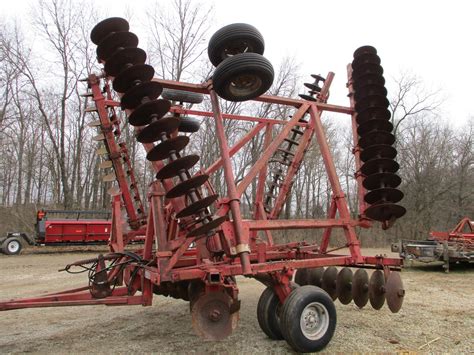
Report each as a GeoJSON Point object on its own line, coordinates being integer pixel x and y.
{"type": "Point", "coordinates": [8, 241]}
{"type": "Point", "coordinates": [182, 96]}
{"type": "Point", "coordinates": [235, 31]}
{"type": "Point", "coordinates": [267, 314]}
{"type": "Point", "coordinates": [291, 313]}
{"type": "Point", "coordinates": [189, 124]}
{"type": "Point", "coordinates": [242, 64]}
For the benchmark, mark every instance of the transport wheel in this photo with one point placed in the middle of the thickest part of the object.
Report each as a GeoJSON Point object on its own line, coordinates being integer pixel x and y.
{"type": "Point", "coordinates": [12, 246]}
{"type": "Point", "coordinates": [234, 39]}
{"type": "Point", "coordinates": [308, 319]}
{"type": "Point", "coordinates": [243, 77]}
{"type": "Point", "coordinates": [182, 96]}
{"type": "Point", "coordinates": [268, 314]}
{"type": "Point", "coordinates": [189, 124]}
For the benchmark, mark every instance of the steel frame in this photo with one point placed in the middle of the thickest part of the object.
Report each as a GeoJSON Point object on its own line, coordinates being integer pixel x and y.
{"type": "Point", "coordinates": [168, 250]}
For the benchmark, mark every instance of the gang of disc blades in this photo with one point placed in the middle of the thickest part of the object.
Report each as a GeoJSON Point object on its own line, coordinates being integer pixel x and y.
{"type": "Point", "coordinates": [377, 289]}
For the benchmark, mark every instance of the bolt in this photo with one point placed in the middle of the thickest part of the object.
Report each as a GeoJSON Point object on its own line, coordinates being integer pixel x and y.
{"type": "Point", "coordinates": [215, 315]}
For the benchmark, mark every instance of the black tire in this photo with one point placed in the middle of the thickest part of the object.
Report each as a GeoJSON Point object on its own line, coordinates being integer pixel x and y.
{"type": "Point", "coordinates": [182, 96]}
{"type": "Point", "coordinates": [189, 124]}
{"type": "Point", "coordinates": [268, 310]}
{"type": "Point", "coordinates": [12, 246]}
{"type": "Point", "coordinates": [243, 77]}
{"type": "Point", "coordinates": [234, 39]}
{"type": "Point", "coordinates": [303, 302]}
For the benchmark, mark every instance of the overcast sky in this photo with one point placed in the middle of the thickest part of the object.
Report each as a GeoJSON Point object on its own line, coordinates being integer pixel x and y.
{"type": "Point", "coordinates": [432, 39]}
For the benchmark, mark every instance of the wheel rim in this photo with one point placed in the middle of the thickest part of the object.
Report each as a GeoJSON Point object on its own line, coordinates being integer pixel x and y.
{"type": "Point", "coordinates": [245, 84]}
{"type": "Point", "coordinates": [13, 246]}
{"type": "Point", "coordinates": [314, 321]}
{"type": "Point", "coordinates": [236, 47]}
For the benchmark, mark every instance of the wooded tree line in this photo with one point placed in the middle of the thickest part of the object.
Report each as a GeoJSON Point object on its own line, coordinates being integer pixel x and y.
{"type": "Point", "coordinates": [47, 156]}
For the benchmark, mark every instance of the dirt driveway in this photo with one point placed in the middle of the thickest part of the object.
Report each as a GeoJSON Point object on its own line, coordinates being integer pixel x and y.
{"type": "Point", "coordinates": [437, 307]}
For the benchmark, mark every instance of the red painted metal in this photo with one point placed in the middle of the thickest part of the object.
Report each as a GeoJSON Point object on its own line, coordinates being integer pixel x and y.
{"type": "Point", "coordinates": [169, 256]}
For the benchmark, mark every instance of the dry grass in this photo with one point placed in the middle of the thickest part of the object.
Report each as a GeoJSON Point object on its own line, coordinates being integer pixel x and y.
{"type": "Point", "coordinates": [437, 305]}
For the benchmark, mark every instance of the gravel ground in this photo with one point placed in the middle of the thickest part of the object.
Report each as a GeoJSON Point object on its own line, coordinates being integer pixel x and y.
{"type": "Point", "coordinates": [437, 307]}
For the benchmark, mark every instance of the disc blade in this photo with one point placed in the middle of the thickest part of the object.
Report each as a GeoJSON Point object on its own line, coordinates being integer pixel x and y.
{"type": "Point", "coordinates": [379, 180]}
{"type": "Point", "coordinates": [372, 101]}
{"type": "Point", "coordinates": [187, 186]}
{"type": "Point", "coordinates": [101, 151]}
{"type": "Point", "coordinates": [366, 58]}
{"type": "Point", "coordinates": [205, 228]}
{"type": "Point", "coordinates": [384, 211]}
{"type": "Point", "coordinates": [379, 165]}
{"type": "Point", "coordinates": [378, 151]}
{"type": "Point", "coordinates": [364, 50]}
{"type": "Point", "coordinates": [360, 288]}
{"type": "Point", "coordinates": [312, 87]}
{"type": "Point", "coordinates": [173, 168]}
{"type": "Point", "coordinates": [164, 149]}
{"type": "Point", "coordinates": [107, 26]}
{"type": "Point", "coordinates": [109, 177]}
{"type": "Point", "coordinates": [122, 58]}
{"type": "Point", "coordinates": [315, 276]}
{"type": "Point", "coordinates": [371, 113]}
{"type": "Point", "coordinates": [369, 90]}
{"type": "Point", "coordinates": [133, 75]}
{"type": "Point", "coordinates": [94, 123]}
{"type": "Point", "coordinates": [329, 281]}
{"type": "Point", "coordinates": [152, 132]}
{"type": "Point", "coordinates": [394, 292]}
{"type": "Point", "coordinates": [382, 195]}
{"type": "Point", "coordinates": [99, 137]}
{"type": "Point", "coordinates": [344, 285]}
{"type": "Point", "coordinates": [301, 277]}
{"type": "Point", "coordinates": [367, 69]}
{"type": "Point", "coordinates": [307, 97]}
{"type": "Point", "coordinates": [376, 137]}
{"type": "Point", "coordinates": [368, 79]}
{"type": "Point", "coordinates": [105, 164]}
{"type": "Point", "coordinates": [148, 111]}
{"type": "Point", "coordinates": [135, 95]}
{"type": "Point", "coordinates": [109, 45]}
{"type": "Point", "coordinates": [211, 316]}
{"type": "Point", "coordinates": [197, 206]}
{"type": "Point", "coordinates": [374, 124]}
{"type": "Point", "coordinates": [377, 289]}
